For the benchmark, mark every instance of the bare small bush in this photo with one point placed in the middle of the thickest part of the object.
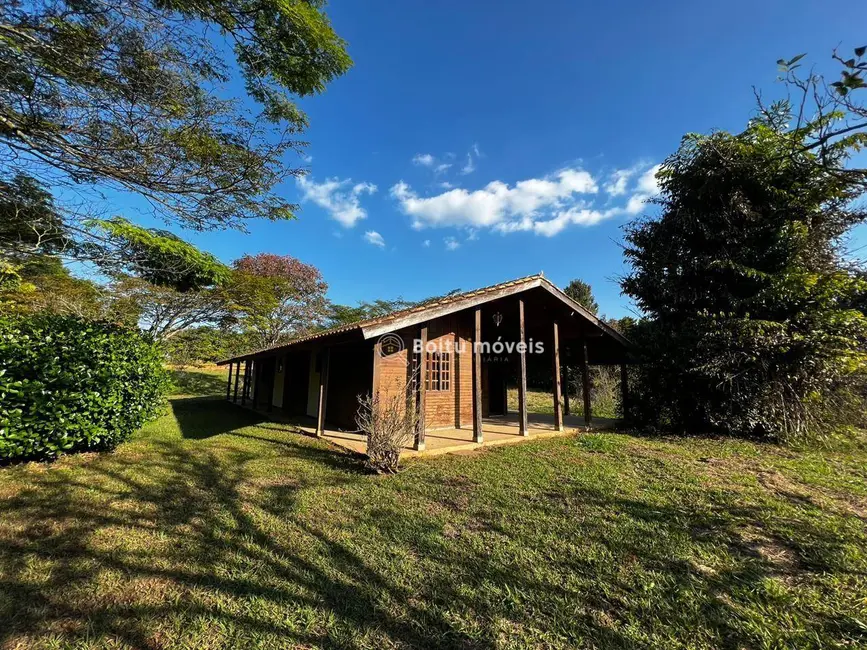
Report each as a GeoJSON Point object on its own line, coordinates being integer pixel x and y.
{"type": "Point", "coordinates": [390, 420]}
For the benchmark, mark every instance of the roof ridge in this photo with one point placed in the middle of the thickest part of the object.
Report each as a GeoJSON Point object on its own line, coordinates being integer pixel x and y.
{"type": "Point", "coordinates": [347, 327]}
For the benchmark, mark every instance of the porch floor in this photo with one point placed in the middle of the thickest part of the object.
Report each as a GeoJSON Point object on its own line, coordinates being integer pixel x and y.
{"type": "Point", "coordinates": [498, 430]}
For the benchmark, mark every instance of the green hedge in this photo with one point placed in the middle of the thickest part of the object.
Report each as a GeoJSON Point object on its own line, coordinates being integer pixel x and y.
{"type": "Point", "coordinates": [69, 384]}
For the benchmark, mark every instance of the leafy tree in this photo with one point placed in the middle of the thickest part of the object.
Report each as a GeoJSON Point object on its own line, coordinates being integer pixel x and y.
{"type": "Point", "coordinates": [130, 96]}
{"type": "Point", "coordinates": [10, 280]}
{"type": "Point", "coordinates": [623, 325]}
{"type": "Point", "coordinates": [751, 326]}
{"type": "Point", "coordinates": [162, 312]}
{"type": "Point", "coordinates": [44, 285]}
{"type": "Point", "coordinates": [161, 282]}
{"type": "Point", "coordinates": [582, 293]}
{"type": "Point", "coordinates": [205, 344]}
{"type": "Point", "coordinates": [29, 223]}
{"type": "Point", "coordinates": [276, 297]}
{"type": "Point", "coordinates": [159, 257]}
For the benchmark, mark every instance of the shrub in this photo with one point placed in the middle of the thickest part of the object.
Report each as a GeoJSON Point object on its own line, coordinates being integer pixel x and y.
{"type": "Point", "coordinates": [390, 421]}
{"type": "Point", "coordinates": [69, 384]}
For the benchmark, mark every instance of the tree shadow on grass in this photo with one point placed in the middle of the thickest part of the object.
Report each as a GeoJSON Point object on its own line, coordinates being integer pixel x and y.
{"type": "Point", "coordinates": [677, 593]}
{"type": "Point", "coordinates": [190, 544]}
{"type": "Point", "coordinates": [203, 417]}
{"type": "Point", "coordinates": [190, 539]}
{"type": "Point", "coordinates": [171, 547]}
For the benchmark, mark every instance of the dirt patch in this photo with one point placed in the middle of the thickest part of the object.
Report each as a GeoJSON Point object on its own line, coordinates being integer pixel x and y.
{"type": "Point", "coordinates": [782, 560]}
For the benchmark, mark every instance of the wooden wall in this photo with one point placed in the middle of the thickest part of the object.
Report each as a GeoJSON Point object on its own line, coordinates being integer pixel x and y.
{"type": "Point", "coordinates": [445, 409]}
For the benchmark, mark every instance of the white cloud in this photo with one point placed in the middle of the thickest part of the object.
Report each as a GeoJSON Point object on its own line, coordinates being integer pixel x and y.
{"type": "Point", "coordinates": [373, 237]}
{"type": "Point", "coordinates": [442, 167]}
{"type": "Point", "coordinates": [451, 243]}
{"type": "Point", "coordinates": [473, 156]}
{"type": "Point", "coordinates": [497, 205]}
{"type": "Point", "coordinates": [636, 203]}
{"type": "Point", "coordinates": [337, 197]}
{"type": "Point", "coordinates": [574, 216]}
{"type": "Point", "coordinates": [426, 243]}
{"type": "Point", "coordinates": [647, 187]}
{"type": "Point", "coordinates": [423, 159]}
{"type": "Point", "coordinates": [618, 181]}
{"type": "Point", "coordinates": [647, 183]}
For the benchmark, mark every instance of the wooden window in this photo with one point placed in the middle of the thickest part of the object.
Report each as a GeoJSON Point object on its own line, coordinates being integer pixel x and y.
{"type": "Point", "coordinates": [438, 371]}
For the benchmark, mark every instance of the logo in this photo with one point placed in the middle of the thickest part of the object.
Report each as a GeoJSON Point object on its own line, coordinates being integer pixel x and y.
{"type": "Point", "coordinates": [390, 344]}
{"type": "Point", "coordinates": [499, 350]}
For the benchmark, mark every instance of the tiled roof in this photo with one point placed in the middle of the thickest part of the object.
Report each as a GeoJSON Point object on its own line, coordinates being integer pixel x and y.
{"type": "Point", "coordinates": [340, 329]}
{"type": "Point", "coordinates": [415, 309]}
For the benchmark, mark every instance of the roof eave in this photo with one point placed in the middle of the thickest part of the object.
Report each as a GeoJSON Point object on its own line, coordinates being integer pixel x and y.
{"type": "Point", "coordinates": [375, 330]}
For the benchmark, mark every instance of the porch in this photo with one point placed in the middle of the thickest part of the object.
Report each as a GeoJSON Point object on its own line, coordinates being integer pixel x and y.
{"type": "Point", "coordinates": [497, 430]}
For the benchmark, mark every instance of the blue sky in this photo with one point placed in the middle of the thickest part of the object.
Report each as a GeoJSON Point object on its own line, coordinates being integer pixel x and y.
{"type": "Point", "coordinates": [482, 141]}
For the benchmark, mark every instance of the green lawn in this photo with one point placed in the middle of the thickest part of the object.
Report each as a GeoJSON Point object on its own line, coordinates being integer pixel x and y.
{"type": "Point", "coordinates": [215, 529]}
{"type": "Point", "coordinates": [210, 380]}
{"type": "Point", "coordinates": [538, 401]}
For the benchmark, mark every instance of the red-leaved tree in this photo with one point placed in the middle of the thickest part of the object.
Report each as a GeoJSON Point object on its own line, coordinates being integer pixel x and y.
{"type": "Point", "coordinates": [277, 297]}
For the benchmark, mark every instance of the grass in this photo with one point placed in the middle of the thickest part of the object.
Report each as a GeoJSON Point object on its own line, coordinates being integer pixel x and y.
{"type": "Point", "coordinates": [215, 529]}
{"type": "Point", "coordinates": [207, 380]}
{"type": "Point", "coordinates": [539, 401]}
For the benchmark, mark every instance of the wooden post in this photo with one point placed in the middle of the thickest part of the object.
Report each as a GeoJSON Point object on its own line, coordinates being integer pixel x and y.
{"type": "Point", "coordinates": [245, 387]}
{"type": "Point", "coordinates": [558, 413]}
{"type": "Point", "coordinates": [523, 425]}
{"type": "Point", "coordinates": [377, 358]}
{"type": "Point", "coordinates": [237, 381]}
{"type": "Point", "coordinates": [624, 390]}
{"type": "Point", "coordinates": [585, 381]}
{"type": "Point", "coordinates": [271, 384]}
{"type": "Point", "coordinates": [229, 384]}
{"type": "Point", "coordinates": [565, 391]}
{"type": "Point", "coordinates": [323, 391]}
{"type": "Point", "coordinates": [257, 381]}
{"type": "Point", "coordinates": [422, 389]}
{"type": "Point", "coordinates": [477, 378]}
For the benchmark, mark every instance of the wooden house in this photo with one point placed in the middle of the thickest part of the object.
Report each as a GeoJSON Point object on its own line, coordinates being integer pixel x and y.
{"type": "Point", "coordinates": [453, 356]}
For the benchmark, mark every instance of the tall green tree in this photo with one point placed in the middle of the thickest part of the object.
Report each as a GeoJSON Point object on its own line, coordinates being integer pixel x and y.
{"type": "Point", "coordinates": [751, 322]}
{"type": "Point", "coordinates": [582, 293]}
{"type": "Point", "coordinates": [163, 312]}
{"type": "Point", "coordinates": [131, 96]}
